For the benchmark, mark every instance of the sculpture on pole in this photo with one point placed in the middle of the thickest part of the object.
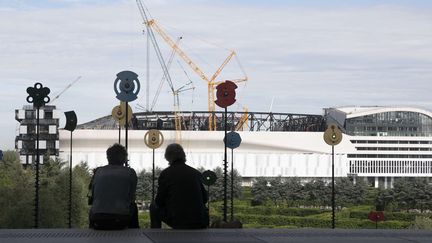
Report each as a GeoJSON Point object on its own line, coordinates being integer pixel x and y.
{"type": "Point", "coordinates": [126, 87]}
{"type": "Point", "coordinates": [71, 123]}
{"type": "Point", "coordinates": [333, 136]}
{"type": "Point", "coordinates": [38, 95]}
{"type": "Point", "coordinates": [225, 97]}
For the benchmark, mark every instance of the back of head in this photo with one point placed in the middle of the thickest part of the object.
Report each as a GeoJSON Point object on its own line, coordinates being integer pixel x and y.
{"type": "Point", "coordinates": [174, 153]}
{"type": "Point", "coordinates": [116, 154]}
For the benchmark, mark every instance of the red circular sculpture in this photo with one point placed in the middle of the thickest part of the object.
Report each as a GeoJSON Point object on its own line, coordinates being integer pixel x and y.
{"type": "Point", "coordinates": [225, 94]}
{"type": "Point", "coordinates": [376, 216]}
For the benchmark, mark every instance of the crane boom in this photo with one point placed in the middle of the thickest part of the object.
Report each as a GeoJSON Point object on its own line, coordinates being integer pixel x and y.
{"type": "Point", "coordinates": [64, 90]}
{"type": "Point", "coordinates": [151, 24]}
{"type": "Point", "coordinates": [170, 59]}
{"type": "Point", "coordinates": [177, 117]}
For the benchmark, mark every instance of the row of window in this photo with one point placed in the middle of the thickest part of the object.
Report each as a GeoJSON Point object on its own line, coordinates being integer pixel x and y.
{"type": "Point", "coordinates": [390, 167]}
{"type": "Point", "coordinates": [401, 156]}
{"type": "Point", "coordinates": [43, 129]}
{"type": "Point", "coordinates": [391, 142]}
{"type": "Point", "coordinates": [393, 149]}
{"type": "Point", "coordinates": [395, 123]}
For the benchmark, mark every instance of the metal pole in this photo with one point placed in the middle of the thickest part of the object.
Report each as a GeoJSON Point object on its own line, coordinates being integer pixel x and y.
{"type": "Point", "coordinates": [36, 206]}
{"type": "Point", "coordinates": [333, 190]}
{"type": "Point", "coordinates": [208, 204]}
{"type": "Point", "coordinates": [232, 185]}
{"type": "Point", "coordinates": [153, 177]}
{"type": "Point", "coordinates": [225, 171]}
{"type": "Point", "coordinates": [148, 72]}
{"type": "Point", "coordinates": [70, 183]}
{"type": "Point", "coordinates": [126, 131]}
{"type": "Point", "coordinates": [119, 134]}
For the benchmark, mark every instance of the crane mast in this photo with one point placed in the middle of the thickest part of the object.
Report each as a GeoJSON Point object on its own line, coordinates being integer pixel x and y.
{"type": "Point", "coordinates": [177, 118]}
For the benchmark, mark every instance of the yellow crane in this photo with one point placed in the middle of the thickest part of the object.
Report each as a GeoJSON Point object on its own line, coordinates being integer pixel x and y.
{"type": "Point", "coordinates": [211, 83]}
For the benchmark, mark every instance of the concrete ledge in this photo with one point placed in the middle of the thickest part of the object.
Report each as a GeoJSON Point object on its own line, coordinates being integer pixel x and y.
{"type": "Point", "coordinates": [213, 235]}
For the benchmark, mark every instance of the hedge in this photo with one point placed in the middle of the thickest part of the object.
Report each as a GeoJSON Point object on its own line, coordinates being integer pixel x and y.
{"type": "Point", "coordinates": [399, 216]}
{"type": "Point", "coordinates": [276, 221]}
{"type": "Point", "coordinates": [285, 211]}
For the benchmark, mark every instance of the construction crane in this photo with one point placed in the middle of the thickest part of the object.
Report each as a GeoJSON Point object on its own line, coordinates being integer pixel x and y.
{"type": "Point", "coordinates": [150, 33]}
{"type": "Point", "coordinates": [64, 90]}
{"type": "Point", "coordinates": [211, 83]}
{"type": "Point", "coordinates": [170, 59]}
{"type": "Point", "coordinates": [243, 120]}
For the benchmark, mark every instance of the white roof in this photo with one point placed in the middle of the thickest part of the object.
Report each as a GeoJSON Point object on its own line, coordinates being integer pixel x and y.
{"type": "Point", "coordinates": [356, 111]}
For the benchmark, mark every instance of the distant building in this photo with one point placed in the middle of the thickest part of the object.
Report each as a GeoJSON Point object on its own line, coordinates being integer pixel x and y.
{"type": "Point", "coordinates": [379, 143]}
{"type": "Point", "coordinates": [25, 141]}
{"type": "Point", "coordinates": [386, 142]}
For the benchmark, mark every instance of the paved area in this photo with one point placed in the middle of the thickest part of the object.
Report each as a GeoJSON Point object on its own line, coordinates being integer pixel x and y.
{"type": "Point", "coordinates": [214, 235]}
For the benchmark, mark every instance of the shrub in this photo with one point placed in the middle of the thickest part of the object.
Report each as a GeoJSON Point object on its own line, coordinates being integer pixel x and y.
{"type": "Point", "coordinates": [422, 223]}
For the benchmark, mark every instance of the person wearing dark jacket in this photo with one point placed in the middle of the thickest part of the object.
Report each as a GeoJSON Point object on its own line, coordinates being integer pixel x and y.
{"type": "Point", "coordinates": [113, 193]}
{"type": "Point", "coordinates": [181, 196]}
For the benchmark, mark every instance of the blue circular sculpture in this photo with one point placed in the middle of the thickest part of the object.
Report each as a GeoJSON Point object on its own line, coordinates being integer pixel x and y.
{"type": "Point", "coordinates": [127, 86]}
{"type": "Point", "coordinates": [232, 140]}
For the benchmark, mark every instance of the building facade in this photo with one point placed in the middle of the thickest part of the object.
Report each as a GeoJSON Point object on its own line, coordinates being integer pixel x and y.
{"type": "Point", "coordinates": [386, 142]}
{"type": "Point", "coordinates": [25, 141]}
{"type": "Point", "coordinates": [379, 144]}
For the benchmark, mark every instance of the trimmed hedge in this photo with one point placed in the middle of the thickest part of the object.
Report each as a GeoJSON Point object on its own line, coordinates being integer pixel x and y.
{"type": "Point", "coordinates": [388, 216]}
{"type": "Point", "coordinates": [284, 211]}
{"type": "Point", "coordinates": [275, 221]}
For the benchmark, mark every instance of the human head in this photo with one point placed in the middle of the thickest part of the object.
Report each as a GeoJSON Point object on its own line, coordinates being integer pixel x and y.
{"type": "Point", "coordinates": [116, 154]}
{"type": "Point", "coordinates": [174, 153]}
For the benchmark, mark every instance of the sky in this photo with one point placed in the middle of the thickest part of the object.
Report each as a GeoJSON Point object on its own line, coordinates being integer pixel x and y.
{"type": "Point", "coordinates": [299, 56]}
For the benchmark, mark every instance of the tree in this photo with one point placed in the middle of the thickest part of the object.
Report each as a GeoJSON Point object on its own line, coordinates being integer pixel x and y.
{"type": "Point", "coordinates": [277, 190]}
{"type": "Point", "coordinates": [317, 193]}
{"type": "Point", "coordinates": [217, 190]}
{"type": "Point", "coordinates": [260, 190]}
{"type": "Point", "coordinates": [384, 198]}
{"type": "Point", "coordinates": [348, 193]}
{"type": "Point", "coordinates": [144, 185]}
{"type": "Point", "coordinates": [294, 193]}
{"type": "Point", "coordinates": [17, 193]}
{"type": "Point", "coordinates": [405, 193]}
{"type": "Point", "coordinates": [54, 194]}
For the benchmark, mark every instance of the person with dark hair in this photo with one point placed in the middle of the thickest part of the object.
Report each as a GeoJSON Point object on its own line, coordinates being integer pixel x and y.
{"type": "Point", "coordinates": [113, 193]}
{"type": "Point", "coordinates": [181, 197]}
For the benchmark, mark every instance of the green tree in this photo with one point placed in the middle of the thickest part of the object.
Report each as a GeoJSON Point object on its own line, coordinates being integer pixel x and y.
{"type": "Point", "coordinates": [217, 190]}
{"type": "Point", "coordinates": [80, 182]}
{"type": "Point", "coordinates": [54, 194]}
{"type": "Point", "coordinates": [260, 190]}
{"type": "Point", "coordinates": [277, 190]}
{"type": "Point", "coordinates": [405, 193]}
{"type": "Point", "coordinates": [348, 193]}
{"type": "Point", "coordinates": [384, 198]}
{"type": "Point", "coordinates": [144, 185]}
{"type": "Point", "coordinates": [317, 193]}
{"type": "Point", "coordinates": [17, 193]}
{"type": "Point", "coordinates": [294, 193]}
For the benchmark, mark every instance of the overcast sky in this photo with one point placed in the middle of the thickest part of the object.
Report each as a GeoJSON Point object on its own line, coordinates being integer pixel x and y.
{"type": "Point", "coordinates": [303, 55]}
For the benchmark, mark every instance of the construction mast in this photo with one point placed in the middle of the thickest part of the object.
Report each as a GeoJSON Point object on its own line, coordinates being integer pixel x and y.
{"type": "Point", "coordinates": [211, 83]}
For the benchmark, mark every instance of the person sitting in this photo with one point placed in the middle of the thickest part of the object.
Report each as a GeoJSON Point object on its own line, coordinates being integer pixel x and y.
{"type": "Point", "coordinates": [113, 193]}
{"type": "Point", "coordinates": [181, 196]}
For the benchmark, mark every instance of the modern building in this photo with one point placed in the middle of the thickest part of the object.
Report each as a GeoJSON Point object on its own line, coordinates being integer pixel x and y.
{"type": "Point", "coordinates": [379, 143]}
{"type": "Point", "coordinates": [25, 141]}
{"type": "Point", "coordinates": [386, 142]}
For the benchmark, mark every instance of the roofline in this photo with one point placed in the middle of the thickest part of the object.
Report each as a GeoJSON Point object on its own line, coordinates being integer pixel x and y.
{"type": "Point", "coordinates": [375, 110]}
